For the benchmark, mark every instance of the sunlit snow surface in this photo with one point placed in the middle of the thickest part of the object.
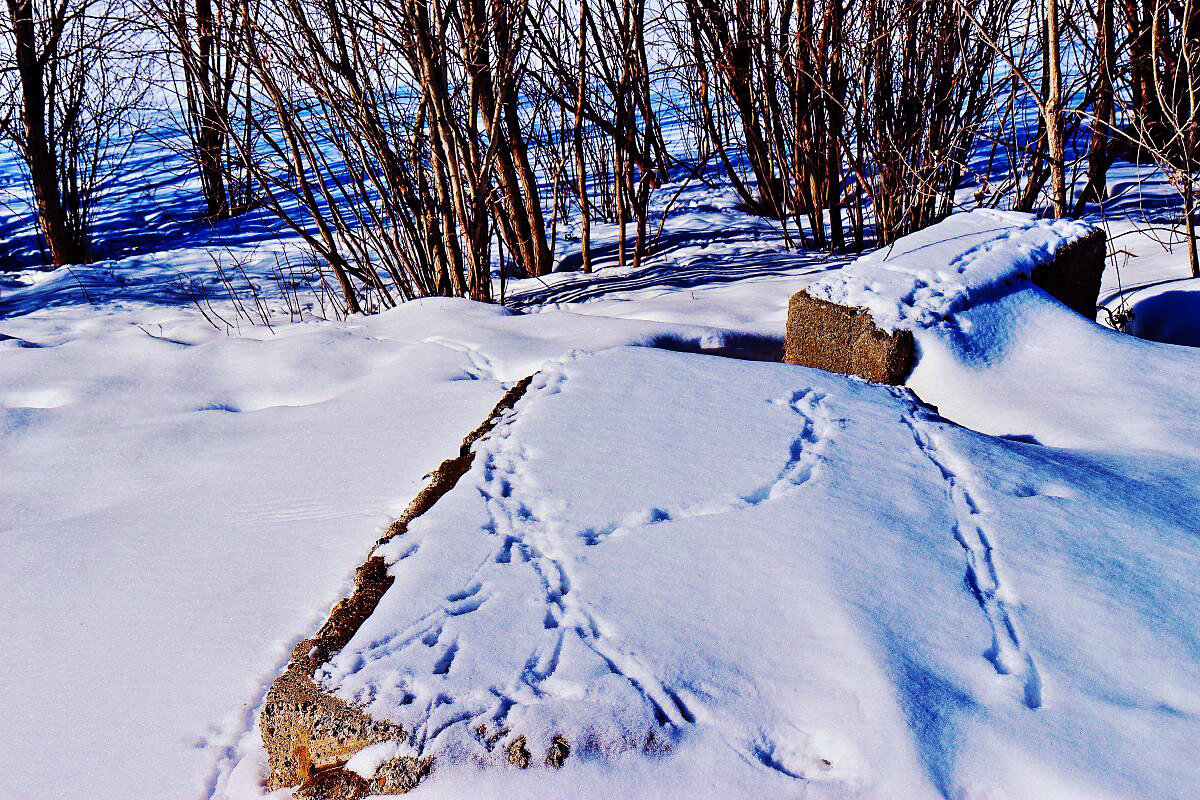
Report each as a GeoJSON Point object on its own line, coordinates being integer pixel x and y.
{"type": "Point", "coordinates": [790, 582]}
{"type": "Point", "coordinates": [802, 582]}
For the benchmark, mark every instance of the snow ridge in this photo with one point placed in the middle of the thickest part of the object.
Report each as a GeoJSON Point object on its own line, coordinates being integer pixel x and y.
{"type": "Point", "coordinates": [481, 366]}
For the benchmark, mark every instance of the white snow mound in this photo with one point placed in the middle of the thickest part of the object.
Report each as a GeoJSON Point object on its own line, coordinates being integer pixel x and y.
{"type": "Point", "coordinates": [719, 578]}
{"type": "Point", "coordinates": [925, 277]}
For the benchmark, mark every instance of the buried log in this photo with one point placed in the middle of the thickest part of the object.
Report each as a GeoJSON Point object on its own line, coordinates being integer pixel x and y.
{"type": "Point", "coordinates": [846, 338]}
{"type": "Point", "coordinates": [310, 735]}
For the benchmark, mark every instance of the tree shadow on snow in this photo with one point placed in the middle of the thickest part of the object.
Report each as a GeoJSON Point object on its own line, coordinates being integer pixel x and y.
{"type": "Point", "coordinates": [668, 269]}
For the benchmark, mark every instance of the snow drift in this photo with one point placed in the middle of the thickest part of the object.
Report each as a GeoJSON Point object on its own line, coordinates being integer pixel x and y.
{"type": "Point", "coordinates": [703, 580]}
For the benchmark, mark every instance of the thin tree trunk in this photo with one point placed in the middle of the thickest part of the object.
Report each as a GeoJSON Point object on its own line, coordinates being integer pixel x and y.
{"type": "Point", "coordinates": [1189, 213]}
{"type": "Point", "coordinates": [580, 162]}
{"type": "Point", "coordinates": [1100, 147]}
{"type": "Point", "coordinates": [210, 141]}
{"type": "Point", "coordinates": [835, 115]}
{"type": "Point", "coordinates": [1054, 123]}
{"type": "Point", "coordinates": [63, 244]}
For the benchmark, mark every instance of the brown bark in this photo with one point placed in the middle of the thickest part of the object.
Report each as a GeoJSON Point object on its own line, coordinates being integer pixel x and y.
{"type": "Point", "coordinates": [1100, 147]}
{"type": "Point", "coordinates": [585, 233]}
{"type": "Point", "coordinates": [210, 140]}
{"type": "Point", "coordinates": [1054, 114]}
{"type": "Point", "coordinates": [1189, 218]}
{"type": "Point", "coordinates": [64, 244]}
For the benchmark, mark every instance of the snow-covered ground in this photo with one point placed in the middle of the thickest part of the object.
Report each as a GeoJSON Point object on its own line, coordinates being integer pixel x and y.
{"type": "Point", "coordinates": [791, 568]}
{"type": "Point", "coordinates": [1149, 277]}
{"type": "Point", "coordinates": [180, 505]}
{"type": "Point", "coordinates": [748, 579]}
{"type": "Point", "coordinates": [729, 599]}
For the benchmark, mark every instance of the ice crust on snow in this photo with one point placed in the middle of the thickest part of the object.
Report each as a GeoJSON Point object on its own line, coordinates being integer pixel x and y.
{"type": "Point", "coordinates": [926, 276]}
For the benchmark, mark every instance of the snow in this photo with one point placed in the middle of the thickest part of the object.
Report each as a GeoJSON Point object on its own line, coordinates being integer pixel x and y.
{"type": "Point", "coordinates": [1144, 257]}
{"type": "Point", "coordinates": [1019, 365]}
{"type": "Point", "coordinates": [713, 263]}
{"type": "Point", "coordinates": [1168, 313]}
{"type": "Point", "coordinates": [925, 277]}
{"type": "Point", "coordinates": [204, 499]}
{"type": "Point", "coordinates": [175, 511]}
{"type": "Point", "coordinates": [1151, 278]}
{"type": "Point", "coordinates": [749, 598]}
{"type": "Point", "coordinates": [789, 583]}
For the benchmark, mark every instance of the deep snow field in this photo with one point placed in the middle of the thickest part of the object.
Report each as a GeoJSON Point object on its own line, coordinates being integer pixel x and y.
{"type": "Point", "coordinates": [800, 584]}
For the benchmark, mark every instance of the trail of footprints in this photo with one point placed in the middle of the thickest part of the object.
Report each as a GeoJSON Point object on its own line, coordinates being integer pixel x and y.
{"type": "Point", "coordinates": [805, 453]}
{"type": "Point", "coordinates": [1008, 653]}
{"type": "Point", "coordinates": [531, 536]}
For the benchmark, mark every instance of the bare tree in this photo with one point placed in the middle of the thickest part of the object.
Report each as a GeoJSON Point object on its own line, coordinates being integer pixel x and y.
{"type": "Point", "coordinates": [201, 57]}
{"type": "Point", "coordinates": [594, 61]}
{"type": "Point", "coordinates": [772, 89]}
{"type": "Point", "coordinates": [1102, 120]}
{"type": "Point", "coordinates": [1045, 165]}
{"type": "Point", "coordinates": [1164, 101]}
{"type": "Point", "coordinates": [924, 91]}
{"type": "Point", "coordinates": [391, 136]}
{"type": "Point", "coordinates": [72, 107]}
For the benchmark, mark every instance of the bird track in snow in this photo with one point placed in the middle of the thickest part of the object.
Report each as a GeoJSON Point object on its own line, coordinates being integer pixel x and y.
{"type": "Point", "coordinates": [532, 535]}
{"type": "Point", "coordinates": [805, 453]}
{"type": "Point", "coordinates": [524, 519]}
{"type": "Point", "coordinates": [1008, 653]}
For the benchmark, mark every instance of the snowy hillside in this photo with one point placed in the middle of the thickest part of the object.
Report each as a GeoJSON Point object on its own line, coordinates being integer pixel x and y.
{"type": "Point", "coordinates": [773, 581]}
{"type": "Point", "coordinates": [571, 400]}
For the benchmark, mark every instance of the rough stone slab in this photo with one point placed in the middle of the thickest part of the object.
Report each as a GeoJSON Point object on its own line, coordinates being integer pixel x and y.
{"type": "Point", "coordinates": [847, 339]}
{"type": "Point", "coordinates": [841, 339]}
{"type": "Point", "coordinates": [306, 731]}
{"type": "Point", "coordinates": [1073, 276]}
{"type": "Point", "coordinates": [310, 735]}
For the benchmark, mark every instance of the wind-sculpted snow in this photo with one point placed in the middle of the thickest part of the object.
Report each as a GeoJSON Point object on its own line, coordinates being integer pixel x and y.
{"type": "Point", "coordinates": [776, 581]}
{"type": "Point", "coordinates": [1021, 365]}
